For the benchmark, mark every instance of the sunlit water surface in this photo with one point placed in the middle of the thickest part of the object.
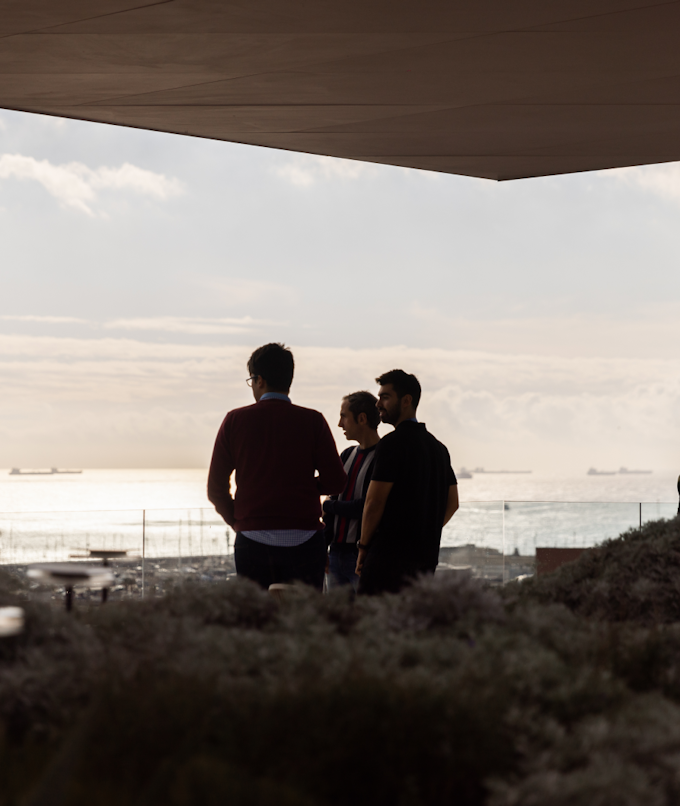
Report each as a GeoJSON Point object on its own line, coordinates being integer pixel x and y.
{"type": "Point", "coordinates": [166, 513]}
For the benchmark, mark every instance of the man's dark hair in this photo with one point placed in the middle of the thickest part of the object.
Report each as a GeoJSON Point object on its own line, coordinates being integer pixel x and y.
{"type": "Point", "coordinates": [364, 402]}
{"type": "Point", "coordinates": [402, 383]}
{"type": "Point", "coordinates": [273, 362]}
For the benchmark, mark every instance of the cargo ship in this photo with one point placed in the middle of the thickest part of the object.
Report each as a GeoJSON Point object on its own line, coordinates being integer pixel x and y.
{"type": "Point", "coordinates": [53, 471]}
{"type": "Point", "coordinates": [481, 470]}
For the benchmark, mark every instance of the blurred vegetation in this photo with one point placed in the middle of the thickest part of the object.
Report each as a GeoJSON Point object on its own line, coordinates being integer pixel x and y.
{"type": "Point", "coordinates": [635, 577]}
{"type": "Point", "coordinates": [563, 690]}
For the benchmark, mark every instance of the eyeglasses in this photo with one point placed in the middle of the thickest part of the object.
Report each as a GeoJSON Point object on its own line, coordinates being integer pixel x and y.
{"type": "Point", "coordinates": [252, 380]}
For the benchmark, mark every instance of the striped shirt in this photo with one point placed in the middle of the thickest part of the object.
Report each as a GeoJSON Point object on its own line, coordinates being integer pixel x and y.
{"type": "Point", "coordinates": [343, 515]}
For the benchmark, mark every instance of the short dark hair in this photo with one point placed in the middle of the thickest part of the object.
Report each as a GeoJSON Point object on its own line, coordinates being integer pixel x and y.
{"type": "Point", "coordinates": [403, 384]}
{"type": "Point", "coordinates": [364, 402]}
{"type": "Point", "coordinates": [273, 362]}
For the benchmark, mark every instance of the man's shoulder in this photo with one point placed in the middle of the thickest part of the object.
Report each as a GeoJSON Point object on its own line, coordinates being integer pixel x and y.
{"type": "Point", "coordinates": [428, 438]}
{"type": "Point", "coordinates": [305, 412]}
{"type": "Point", "coordinates": [416, 436]}
{"type": "Point", "coordinates": [281, 415]}
{"type": "Point", "coordinates": [279, 408]}
{"type": "Point", "coordinates": [303, 417]}
{"type": "Point", "coordinates": [437, 442]}
{"type": "Point", "coordinates": [388, 439]}
{"type": "Point", "coordinates": [239, 413]}
{"type": "Point", "coordinates": [387, 445]}
{"type": "Point", "coordinates": [400, 434]}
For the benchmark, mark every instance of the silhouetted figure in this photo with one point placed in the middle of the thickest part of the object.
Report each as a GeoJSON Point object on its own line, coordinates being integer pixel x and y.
{"type": "Point", "coordinates": [412, 494]}
{"type": "Point", "coordinates": [359, 419]}
{"type": "Point", "coordinates": [275, 448]}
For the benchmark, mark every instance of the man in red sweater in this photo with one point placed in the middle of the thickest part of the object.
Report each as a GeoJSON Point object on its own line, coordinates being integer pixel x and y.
{"type": "Point", "coordinates": [277, 449]}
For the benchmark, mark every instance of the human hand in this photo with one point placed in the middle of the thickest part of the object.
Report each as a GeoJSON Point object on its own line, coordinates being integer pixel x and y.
{"type": "Point", "coordinates": [361, 557]}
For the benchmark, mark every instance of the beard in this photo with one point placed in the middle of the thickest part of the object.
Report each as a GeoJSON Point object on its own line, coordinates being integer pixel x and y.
{"type": "Point", "coordinates": [390, 416]}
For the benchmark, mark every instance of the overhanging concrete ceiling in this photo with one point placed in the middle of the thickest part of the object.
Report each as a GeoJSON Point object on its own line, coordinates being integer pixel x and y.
{"type": "Point", "coordinates": [494, 88]}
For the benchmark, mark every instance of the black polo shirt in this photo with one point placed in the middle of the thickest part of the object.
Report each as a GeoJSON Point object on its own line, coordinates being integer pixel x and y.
{"type": "Point", "coordinates": [420, 469]}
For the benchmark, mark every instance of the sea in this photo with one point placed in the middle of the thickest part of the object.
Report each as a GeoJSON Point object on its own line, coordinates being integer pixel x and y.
{"type": "Point", "coordinates": [165, 512]}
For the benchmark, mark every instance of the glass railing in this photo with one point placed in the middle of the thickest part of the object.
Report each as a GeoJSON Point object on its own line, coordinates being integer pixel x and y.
{"type": "Point", "coordinates": [522, 525]}
{"type": "Point", "coordinates": [149, 549]}
{"type": "Point", "coordinates": [497, 540]}
{"type": "Point", "coordinates": [55, 536]}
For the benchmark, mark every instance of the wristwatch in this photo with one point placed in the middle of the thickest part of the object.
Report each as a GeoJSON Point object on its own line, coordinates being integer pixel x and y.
{"type": "Point", "coordinates": [361, 545]}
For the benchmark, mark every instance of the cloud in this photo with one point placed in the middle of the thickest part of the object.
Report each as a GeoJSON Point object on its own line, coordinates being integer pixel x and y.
{"type": "Point", "coordinates": [236, 292]}
{"type": "Point", "coordinates": [75, 185]}
{"type": "Point", "coordinates": [662, 180]}
{"type": "Point", "coordinates": [306, 170]}
{"type": "Point", "coordinates": [651, 331]}
{"type": "Point", "coordinates": [539, 412]}
{"type": "Point", "coordinates": [544, 412]}
{"type": "Point", "coordinates": [166, 324]}
{"type": "Point", "coordinates": [188, 325]}
{"type": "Point", "coordinates": [49, 320]}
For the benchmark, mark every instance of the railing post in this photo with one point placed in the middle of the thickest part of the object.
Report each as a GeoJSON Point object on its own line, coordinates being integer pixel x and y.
{"type": "Point", "coordinates": [179, 548]}
{"type": "Point", "coordinates": [143, 552]}
{"type": "Point", "coordinates": [640, 505]}
{"type": "Point", "coordinates": [503, 511]}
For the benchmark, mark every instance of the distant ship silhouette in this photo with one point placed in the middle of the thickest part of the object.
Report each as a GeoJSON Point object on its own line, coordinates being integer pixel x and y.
{"type": "Point", "coordinates": [622, 471]}
{"type": "Point", "coordinates": [53, 471]}
{"type": "Point", "coordinates": [464, 473]}
{"type": "Point", "coordinates": [482, 470]}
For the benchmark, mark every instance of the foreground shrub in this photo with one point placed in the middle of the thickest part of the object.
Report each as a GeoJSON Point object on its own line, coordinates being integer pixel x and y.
{"type": "Point", "coordinates": [446, 694]}
{"type": "Point", "coordinates": [635, 577]}
{"type": "Point", "coordinates": [221, 691]}
{"type": "Point", "coordinates": [12, 585]}
{"type": "Point", "coordinates": [629, 759]}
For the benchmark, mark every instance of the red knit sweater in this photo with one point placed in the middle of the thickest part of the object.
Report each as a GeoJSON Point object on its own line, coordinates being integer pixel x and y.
{"type": "Point", "coordinates": [275, 448]}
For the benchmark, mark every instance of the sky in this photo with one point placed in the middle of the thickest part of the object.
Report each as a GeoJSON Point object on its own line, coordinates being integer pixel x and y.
{"type": "Point", "coordinates": [140, 270]}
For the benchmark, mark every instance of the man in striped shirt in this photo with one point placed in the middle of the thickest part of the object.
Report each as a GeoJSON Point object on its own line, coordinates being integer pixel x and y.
{"type": "Point", "coordinates": [359, 419]}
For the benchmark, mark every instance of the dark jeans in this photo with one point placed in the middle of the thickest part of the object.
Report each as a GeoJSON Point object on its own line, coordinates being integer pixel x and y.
{"type": "Point", "coordinates": [342, 562]}
{"type": "Point", "coordinates": [268, 564]}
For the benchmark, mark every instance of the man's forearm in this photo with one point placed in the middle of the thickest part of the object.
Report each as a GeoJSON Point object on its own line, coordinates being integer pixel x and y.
{"type": "Point", "coordinates": [373, 512]}
{"type": "Point", "coordinates": [332, 477]}
{"type": "Point", "coordinates": [223, 503]}
{"type": "Point", "coordinates": [219, 492]}
{"type": "Point", "coordinates": [374, 508]}
{"type": "Point", "coordinates": [451, 503]}
{"type": "Point", "coordinates": [225, 508]}
{"type": "Point", "coordinates": [353, 509]}
{"type": "Point", "coordinates": [331, 483]}
{"type": "Point", "coordinates": [372, 515]}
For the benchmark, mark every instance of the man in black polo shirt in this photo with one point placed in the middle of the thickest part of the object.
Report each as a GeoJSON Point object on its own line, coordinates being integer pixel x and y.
{"type": "Point", "coordinates": [412, 494]}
